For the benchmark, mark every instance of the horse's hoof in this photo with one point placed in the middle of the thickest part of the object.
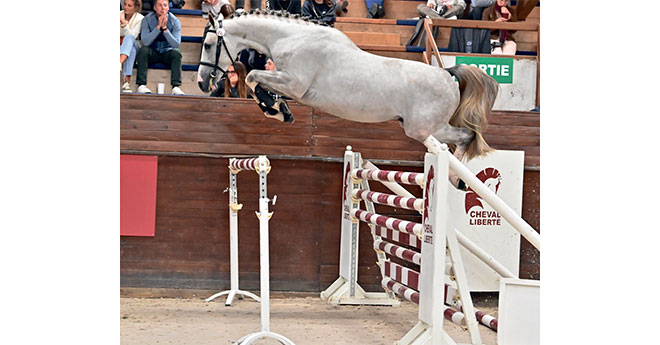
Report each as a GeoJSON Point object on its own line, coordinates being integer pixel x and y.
{"type": "Point", "coordinates": [284, 109]}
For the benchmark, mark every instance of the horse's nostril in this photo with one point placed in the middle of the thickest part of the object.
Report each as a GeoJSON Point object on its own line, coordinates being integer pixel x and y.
{"type": "Point", "coordinates": [201, 86]}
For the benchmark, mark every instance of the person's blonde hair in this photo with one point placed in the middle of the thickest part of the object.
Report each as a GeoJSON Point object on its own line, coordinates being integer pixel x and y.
{"type": "Point", "coordinates": [137, 4]}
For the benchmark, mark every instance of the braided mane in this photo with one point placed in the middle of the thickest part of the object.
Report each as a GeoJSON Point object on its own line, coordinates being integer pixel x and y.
{"type": "Point", "coordinates": [298, 19]}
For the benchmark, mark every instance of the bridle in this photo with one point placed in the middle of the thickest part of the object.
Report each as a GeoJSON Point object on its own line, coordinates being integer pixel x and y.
{"type": "Point", "coordinates": [221, 43]}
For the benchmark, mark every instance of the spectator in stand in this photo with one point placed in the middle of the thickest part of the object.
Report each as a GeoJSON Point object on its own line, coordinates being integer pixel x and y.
{"type": "Point", "coordinates": [322, 10]}
{"type": "Point", "coordinates": [477, 7]}
{"type": "Point", "coordinates": [442, 9]}
{"type": "Point", "coordinates": [501, 40]}
{"type": "Point", "coordinates": [161, 37]}
{"type": "Point", "coordinates": [291, 6]}
{"type": "Point", "coordinates": [235, 86]}
{"type": "Point", "coordinates": [240, 5]}
{"type": "Point", "coordinates": [130, 22]}
{"type": "Point", "coordinates": [215, 7]}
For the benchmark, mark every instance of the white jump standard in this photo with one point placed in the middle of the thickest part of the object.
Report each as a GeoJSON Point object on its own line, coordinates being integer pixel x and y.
{"type": "Point", "coordinates": [262, 166]}
{"type": "Point", "coordinates": [235, 166]}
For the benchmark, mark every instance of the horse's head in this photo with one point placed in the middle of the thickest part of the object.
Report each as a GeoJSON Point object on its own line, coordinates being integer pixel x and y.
{"type": "Point", "coordinates": [215, 55]}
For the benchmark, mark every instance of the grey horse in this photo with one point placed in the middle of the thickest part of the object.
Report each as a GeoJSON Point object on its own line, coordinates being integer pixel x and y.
{"type": "Point", "coordinates": [321, 67]}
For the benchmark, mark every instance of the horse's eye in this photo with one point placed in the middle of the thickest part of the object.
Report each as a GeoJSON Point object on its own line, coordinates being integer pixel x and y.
{"type": "Point", "coordinates": [207, 46]}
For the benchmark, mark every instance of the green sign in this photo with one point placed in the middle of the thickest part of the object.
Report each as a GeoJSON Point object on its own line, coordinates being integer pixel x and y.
{"type": "Point", "coordinates": [501, 69]}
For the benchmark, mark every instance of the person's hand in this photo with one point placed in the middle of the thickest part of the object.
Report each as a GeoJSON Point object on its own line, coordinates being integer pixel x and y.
{"type": "Point", "coordinates": [122, 21]}
{"type": "Point", "coordinates": [430, 5]}
{"type": "Point", "coordinates": [233, 78]}
{"type": "Point", "coordinates": [162, 22]}
{"type": "Point", "coordinates": [505, 14]}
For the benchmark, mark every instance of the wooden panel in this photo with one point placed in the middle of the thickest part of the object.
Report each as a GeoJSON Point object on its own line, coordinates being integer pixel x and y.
{"type": "Point", "coordinates": [190, 249]}
{"type": "Point", "coordinates": [192, 22]}
{"type": "Point", "coordinates": [404, 31]}
{"type": "Point", "coordinates": [374, 38]}
{"type": "Point", "coordinates": [237, 126]}
{"type": "Point", "coordinates": [193, 5]}
{"type": "Point", "coordinates": [191, 52]}
{"type": "Point", "coordinates": [396, 54]}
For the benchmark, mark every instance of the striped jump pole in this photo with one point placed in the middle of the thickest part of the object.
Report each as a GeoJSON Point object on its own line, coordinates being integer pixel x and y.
{"type": "Point", "coordinates": [388, 222]}
{"type": "Point", "coordinates": [257, 163]}
{"type": "Point", "coordinates": [400, 252]}
{"type": "Point", "coordinates": [398, 236]}
{"type": "Point", "coordinates": [415, 204]}
{"type": "Point", "coordinates": [389, 176]}
{"type": "Point", "coordinates": [449, 313]}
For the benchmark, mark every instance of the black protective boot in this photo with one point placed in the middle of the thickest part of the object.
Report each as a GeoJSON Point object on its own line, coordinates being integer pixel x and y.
{"type": "Point", "coordinates": [284, 109]}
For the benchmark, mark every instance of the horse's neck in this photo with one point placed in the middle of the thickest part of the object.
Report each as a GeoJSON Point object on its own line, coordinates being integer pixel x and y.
{"type": "Point", "coordinates": [258, 32]}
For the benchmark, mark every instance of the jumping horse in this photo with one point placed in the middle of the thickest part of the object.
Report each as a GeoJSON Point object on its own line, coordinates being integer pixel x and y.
{"type": "Point", "coordinates": [321, 67]}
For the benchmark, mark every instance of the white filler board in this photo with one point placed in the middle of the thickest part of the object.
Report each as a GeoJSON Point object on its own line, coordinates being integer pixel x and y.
{"type": "Point", "coordinates": [502, 171]}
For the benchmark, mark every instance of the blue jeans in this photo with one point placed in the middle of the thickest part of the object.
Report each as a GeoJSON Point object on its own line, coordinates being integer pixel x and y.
{"type": "Point", "coordinates": [129, 48]}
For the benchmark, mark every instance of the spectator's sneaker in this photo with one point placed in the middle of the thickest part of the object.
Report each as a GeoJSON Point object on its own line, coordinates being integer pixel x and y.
{"type": "Point", "coordinates": [126, 88]}
{"type": "Point", "coordinates": [177, 91]}
{"type": "Point", "coordinates": [143, 89]}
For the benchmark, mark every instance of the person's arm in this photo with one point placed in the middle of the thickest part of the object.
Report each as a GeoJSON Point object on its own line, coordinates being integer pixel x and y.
{"type": "Point", "coordinates": [173, 37]}
{"type": "Point", "coordinates": [330, 16]}
{"type": "Point", "coordinates": [513, 17]}
{"type": "Point", "coordinates": [307, 10]}
{"type": "Point", "coordinates": [123, 25]}
{"type": "Point", "coordinates": [136, 26]}
{"type": "Point", "coordinates": [148, 35]}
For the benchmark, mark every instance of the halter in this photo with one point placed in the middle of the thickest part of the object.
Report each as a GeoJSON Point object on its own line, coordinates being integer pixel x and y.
{"type": "Point", "coordinates": [221, 43]}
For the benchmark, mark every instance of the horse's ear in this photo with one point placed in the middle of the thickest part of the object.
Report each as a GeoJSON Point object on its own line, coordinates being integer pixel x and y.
{"type": "Point", "coordinates": [227, 10]}
{"type": "Point", "coordinates": [212, 20]}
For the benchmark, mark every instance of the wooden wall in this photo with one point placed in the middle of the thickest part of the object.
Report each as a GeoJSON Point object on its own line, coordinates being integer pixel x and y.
{"type": "Point", "coordinates": [190, 249]}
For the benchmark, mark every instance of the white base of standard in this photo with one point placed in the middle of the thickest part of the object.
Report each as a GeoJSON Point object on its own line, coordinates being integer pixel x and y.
{"type": "Point", "coordinates": [230, 296]}
{"type": "Point", "coordinates": [339, 294]}
{"type": "Point", "coordinates": [250, 338]}
{"type": "Point", "coordinates": [422, 334]}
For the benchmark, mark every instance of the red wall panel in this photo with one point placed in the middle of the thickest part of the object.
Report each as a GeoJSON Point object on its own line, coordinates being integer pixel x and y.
{"type": "Point", "coordinates": [138, 195]}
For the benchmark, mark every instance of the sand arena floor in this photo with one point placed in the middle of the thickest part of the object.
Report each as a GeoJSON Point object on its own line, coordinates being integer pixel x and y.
{"type": "Point", "coordinates": [304, 319]}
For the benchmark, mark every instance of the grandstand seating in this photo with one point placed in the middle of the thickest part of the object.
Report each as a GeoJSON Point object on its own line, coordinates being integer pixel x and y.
{"type": "Point", "coordinates": [385, 37]}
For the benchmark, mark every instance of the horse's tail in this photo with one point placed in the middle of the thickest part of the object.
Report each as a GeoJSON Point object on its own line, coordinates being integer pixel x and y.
{"type": "Point", "coordinates": [478, 92]}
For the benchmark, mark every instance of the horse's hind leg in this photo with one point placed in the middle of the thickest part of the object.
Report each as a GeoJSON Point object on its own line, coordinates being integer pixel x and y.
{"type": "Point", "coordinates": [461, 137]}
{"type": "Point", "coordinates": [280, 82]}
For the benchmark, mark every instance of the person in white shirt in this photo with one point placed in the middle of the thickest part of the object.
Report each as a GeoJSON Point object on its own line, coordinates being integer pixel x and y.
{"type": "Point", "coordinates": [130, 22]}
{"type": "Point", "coordinates": [214, 7]}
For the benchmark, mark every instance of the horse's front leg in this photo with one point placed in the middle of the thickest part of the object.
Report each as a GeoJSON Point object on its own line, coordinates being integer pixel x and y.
{"type": "Point", "coordinates": [281, 83]}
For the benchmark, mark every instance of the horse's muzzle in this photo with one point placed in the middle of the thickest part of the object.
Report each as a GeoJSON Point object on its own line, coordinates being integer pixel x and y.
{"type": "Point", "coordinates": [201, 87]}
